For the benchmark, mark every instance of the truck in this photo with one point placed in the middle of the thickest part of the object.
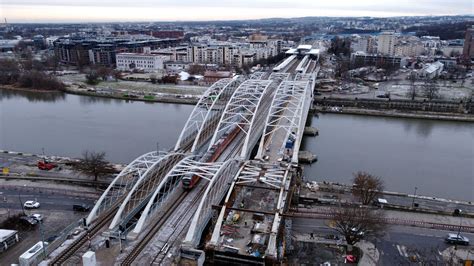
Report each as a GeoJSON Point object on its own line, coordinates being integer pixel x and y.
{"type": "Point", "coordinates": [45, 165]}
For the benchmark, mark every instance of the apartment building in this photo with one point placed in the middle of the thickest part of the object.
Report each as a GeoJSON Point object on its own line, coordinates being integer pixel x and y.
{"type": "Point", "coordinates": [386, 43]}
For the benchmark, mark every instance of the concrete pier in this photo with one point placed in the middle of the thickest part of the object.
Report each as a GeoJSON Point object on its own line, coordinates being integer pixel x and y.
{"type": "Point", "coordinates": [306, 157]}
{"type": "Point", "coordinates": [311, 131]}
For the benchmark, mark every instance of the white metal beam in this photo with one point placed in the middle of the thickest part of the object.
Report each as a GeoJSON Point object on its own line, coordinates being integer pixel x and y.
{"type": "Point", "coordinates": [241, 110]}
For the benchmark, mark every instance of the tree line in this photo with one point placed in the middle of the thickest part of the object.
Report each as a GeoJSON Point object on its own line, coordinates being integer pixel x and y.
{"type": "Point", "coordinates": [27, 74]}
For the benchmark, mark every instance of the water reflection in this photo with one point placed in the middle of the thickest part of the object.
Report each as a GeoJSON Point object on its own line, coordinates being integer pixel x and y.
{"type": "Point", "coordinates": [98, 100]}
{"type": "Point", "coordinates": [31, 96]}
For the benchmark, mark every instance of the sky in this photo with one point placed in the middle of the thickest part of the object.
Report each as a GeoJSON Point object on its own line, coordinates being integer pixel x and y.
{"type": "Point", "coordinates": [20, 11]}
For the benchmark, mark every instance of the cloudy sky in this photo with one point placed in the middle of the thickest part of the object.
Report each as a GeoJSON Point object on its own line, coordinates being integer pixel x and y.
{"type": "Point", "coordinates": [171, 10]}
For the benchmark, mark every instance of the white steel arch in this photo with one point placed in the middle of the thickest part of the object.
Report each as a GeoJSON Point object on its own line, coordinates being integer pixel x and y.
{"type": "Point", "coordinates": [213, 195]}
{"type": "Point", "coordinates": [201, 111]}
{"type": "Point", "coordinates": [241, 111]}
{"type": "Point", "coordinates": [279, 76]}
{"type": "Point", "coordinates": [144, 186]}
{"type": "Point", "coordinates": [123, 182]}
{"type": "Point", "coordinates": [215, 112]}
{"type": "Point", "coordinates": [285, 119]}
{"type": "Point", "coordinates": [186, 166]}
{"type": "Point", "coordinates": [258, 75]}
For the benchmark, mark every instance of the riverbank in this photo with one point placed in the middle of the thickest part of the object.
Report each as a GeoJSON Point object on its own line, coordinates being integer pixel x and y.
{"type": "Point", "coordinates": [16, 88]}
{"type": "Point", "coordinates": [162, 98]}
{"type": "Point", "coordinates": [398, 113]}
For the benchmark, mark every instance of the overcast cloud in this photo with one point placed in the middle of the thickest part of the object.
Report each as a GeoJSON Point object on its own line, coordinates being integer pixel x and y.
{"type": "Point", "coordinates": [155, 10]}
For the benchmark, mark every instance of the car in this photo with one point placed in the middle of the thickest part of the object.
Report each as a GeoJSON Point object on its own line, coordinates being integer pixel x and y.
{"type": "Point", "coordinates": [31, 204]}
{"type": "Point", "coordinates": [38, 217]}
{"type": "Point", "coordinates": [457, 239]}
{"type": "Point", "coordinates": [80, 207]}
{"type": "Point", "coordinates": [28, 220]}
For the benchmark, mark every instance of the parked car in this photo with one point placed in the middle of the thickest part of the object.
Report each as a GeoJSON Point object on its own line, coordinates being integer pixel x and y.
{"type": "Point", "coordinates": [38, 217]}
{"type": "Point", "coordinates": [457, 239]}
{"type": "Point", "coordinates": [31, 204]}
{"type": "Point", "coordinates": [80, 207]}
{"type": "Point", "coordinates": [28, 220]}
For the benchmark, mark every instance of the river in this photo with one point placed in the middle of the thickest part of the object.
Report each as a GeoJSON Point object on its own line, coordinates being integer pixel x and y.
{"type": "Point", "coordinates": [66, 124]}
{"type": "Point", "coordinates": [435, 156]}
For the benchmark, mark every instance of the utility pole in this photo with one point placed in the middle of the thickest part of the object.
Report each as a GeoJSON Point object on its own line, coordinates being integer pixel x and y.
{"type": "Point", "coordinates": [414, 196]}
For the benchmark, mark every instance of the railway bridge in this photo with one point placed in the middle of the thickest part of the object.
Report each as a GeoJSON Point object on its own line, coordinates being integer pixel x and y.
{"type": "Point", "coordinates": [231, 168]}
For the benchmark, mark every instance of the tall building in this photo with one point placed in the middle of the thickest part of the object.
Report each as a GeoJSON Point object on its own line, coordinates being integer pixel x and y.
{"type": "Point", "coordinates": [386, 43]}
{"type": "Point", "coordinates": [468, 51]}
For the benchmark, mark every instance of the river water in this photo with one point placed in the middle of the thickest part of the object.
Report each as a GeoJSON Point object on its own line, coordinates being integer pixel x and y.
{"type": "Point", "coordinates": [435, 156]}
{"type": "Point", "coordinates": [65, 124]}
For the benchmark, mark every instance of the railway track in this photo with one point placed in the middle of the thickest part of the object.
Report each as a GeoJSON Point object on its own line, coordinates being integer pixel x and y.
{"type": "Point", "coordinates": [137, 249]}
{"type": "Point", "coordinates": [78, 243]}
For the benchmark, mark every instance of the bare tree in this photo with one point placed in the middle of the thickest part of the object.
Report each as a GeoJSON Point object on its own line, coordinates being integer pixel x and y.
{"type": "Point", "coordinates": [355, 223]}
{"type": "Point", "coordinates": [366, 187]}
{"type": "Point", "coordinates": [94, 164]}
{"type": "Point", "coordinates": [117, 74]}
{"type": "Point", "coordinates": [412, 89]}
{"type": "Point", "coordinates": [196, 69]}
{"type": "Point", "coordinates": [104, 72]}
{"type": "Point", "coordinates": [431, 89]}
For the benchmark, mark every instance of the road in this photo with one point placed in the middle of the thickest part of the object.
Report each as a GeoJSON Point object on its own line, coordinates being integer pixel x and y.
{"type": "Point", "coordinates": [396, 245]}
{"type": "Point", "coordinates": [10, 199]}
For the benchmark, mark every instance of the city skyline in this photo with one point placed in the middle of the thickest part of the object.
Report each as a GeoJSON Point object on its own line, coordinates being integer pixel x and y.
{"type": "Point", "coordinates": [28, 11]}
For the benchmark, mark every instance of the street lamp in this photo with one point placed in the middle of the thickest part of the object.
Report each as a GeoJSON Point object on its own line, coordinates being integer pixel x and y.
{"type": "Point", "coordinates": [414, 196]}
{"type": "Point", "coordinates": [21, 202]}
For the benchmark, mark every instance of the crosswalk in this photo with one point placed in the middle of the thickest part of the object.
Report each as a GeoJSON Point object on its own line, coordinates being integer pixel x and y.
{"type": "Point", "coordinates": [414, 255]}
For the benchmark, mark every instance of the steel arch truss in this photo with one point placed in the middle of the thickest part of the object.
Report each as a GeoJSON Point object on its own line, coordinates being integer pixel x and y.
{"type": "Point", "coordinates": [170, 182]}
{"type": "Point", "coordinates": [124, 181]}
{"type": "Point", "coordinates": [278, 76]}
{"type": "Point", "coordinates": [285, 118]}
{"type": "Point", "coordinates": [206, 113]}
{"type": "Point", "coordinates": [258, 75]}
{"type": "Point", "coordinates": [241, 111]}
{"type": "Point", "coordinates": [213, 195]}
{"type": "Point", "coordinates": [269, 174]}
{"type": "Point", "coordinates": [144, 187]}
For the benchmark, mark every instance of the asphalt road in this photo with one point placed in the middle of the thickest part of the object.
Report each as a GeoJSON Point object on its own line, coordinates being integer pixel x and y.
{"type": "Point", "coordinates": [396, 245]}
{"type": "Point", "coordinates": [10, 199]}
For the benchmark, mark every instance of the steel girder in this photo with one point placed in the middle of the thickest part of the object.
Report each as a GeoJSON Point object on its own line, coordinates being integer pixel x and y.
{"type": "Point", "coordinates": [143, 188]}
{"type": "Point", "coordinates": [241, 111]}
{"type": "Point", "coordinates": [206, 112]}
{"type": "Point", "coordinates": [170, 182]}
{"type": "Point", "coordinates": [255, 172]}
{"type": "Point", "coordinates": [286, 118]}
{"type": "Point", "coordinates": [213, 195]}
{"type": "Point", "coordinates": [123, 182]}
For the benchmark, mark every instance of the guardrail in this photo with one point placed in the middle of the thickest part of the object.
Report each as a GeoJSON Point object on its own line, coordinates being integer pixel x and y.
{"type": "Point", "coordinates": [40, 190]}
{"type": "Point", "coordinates": [56, 179]}
{"type": "Point", "coordinates": [394, 221]}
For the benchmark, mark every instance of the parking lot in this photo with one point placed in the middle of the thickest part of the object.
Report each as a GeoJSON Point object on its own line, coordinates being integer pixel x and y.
{"type": "Point", "coordinates": [56, 210]}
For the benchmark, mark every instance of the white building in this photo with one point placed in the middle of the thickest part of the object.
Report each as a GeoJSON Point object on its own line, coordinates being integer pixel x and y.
{"type": "Point", "coordinates": [145, 62]}
{"type": "Point", "coordinates": [386, 43]}
{"type": "Point", "coordinates": [432, 70]}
